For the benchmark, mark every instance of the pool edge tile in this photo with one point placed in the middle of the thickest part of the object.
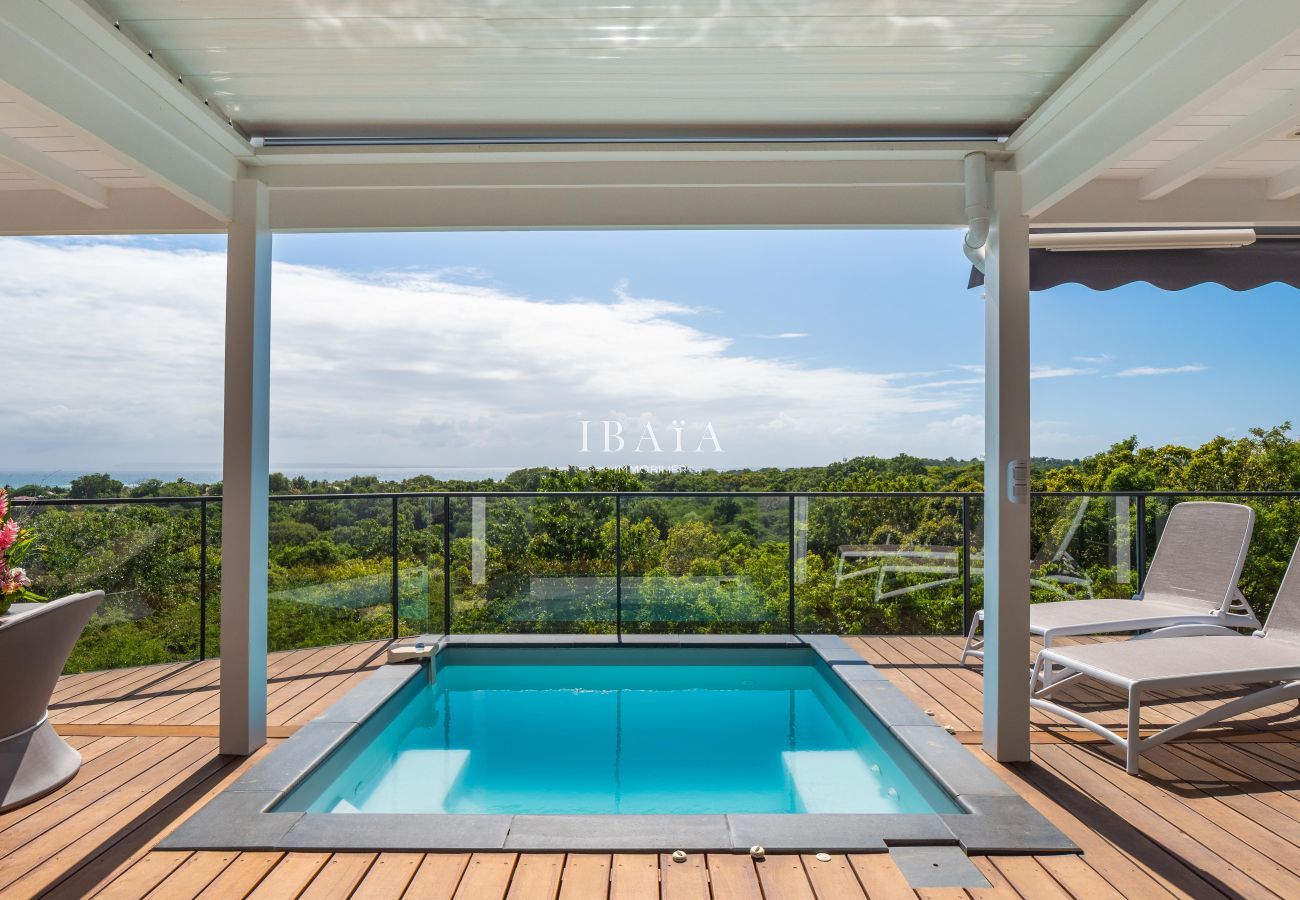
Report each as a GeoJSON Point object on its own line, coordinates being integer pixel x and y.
{"type": "Point", "coordinates": [396, 832]}
{"type": "Point", "coordinates": [362, 701]}
{"type": "Point", "coordinates": [618, 833]}
{"type": "Point", "coordinates": [835, 832]}
{"type": "Point", "coordinates": [288, 764]}
{"type": "Point", "coordinates": [1005, 825]}
{"type": "Point", "coordinates": [233, 820]}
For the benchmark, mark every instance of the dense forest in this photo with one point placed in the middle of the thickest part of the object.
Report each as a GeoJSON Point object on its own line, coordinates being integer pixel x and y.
{"type": "Point", "coordinates": [737, 561]}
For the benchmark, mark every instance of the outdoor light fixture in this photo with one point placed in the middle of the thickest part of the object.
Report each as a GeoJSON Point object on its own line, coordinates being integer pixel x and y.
{"type": "Point", "coordinates": [1171, 239]}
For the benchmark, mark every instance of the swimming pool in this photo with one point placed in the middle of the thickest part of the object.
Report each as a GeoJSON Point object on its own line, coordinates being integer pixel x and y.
{"type": "Point", "coordinates": [605, 731]}
{"type": "Point", "coordinates": [639, 743]}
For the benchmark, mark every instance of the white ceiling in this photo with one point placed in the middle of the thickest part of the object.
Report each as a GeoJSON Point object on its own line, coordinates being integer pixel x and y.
{"type": "Point", "coordinates": [667, 67]}
{"type": "Point", "coordinates": [1276, 83]}
{"type": "Point", "coordinates": [62, 144]}
{"type": "Point", "coordinates": [134, 115]}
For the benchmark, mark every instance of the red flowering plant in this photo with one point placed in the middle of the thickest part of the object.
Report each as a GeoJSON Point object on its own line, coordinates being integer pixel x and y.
{"type": "Point", "coordinates": [15, 544]}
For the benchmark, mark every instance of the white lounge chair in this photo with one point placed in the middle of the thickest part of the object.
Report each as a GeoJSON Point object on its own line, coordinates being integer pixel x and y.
{"type": "Point", "coordinates": [1192, 581]}
{"type": "Point", "coordinates": [1188, 656]}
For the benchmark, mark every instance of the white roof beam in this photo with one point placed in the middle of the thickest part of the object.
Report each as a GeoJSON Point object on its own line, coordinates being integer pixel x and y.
{"type": "Point", "coordinates": [49, 63]}
{"type": "Point", "coordinates": [619, 206]}
{"type": "Point", "coordinates": [1205, 203]}
{"type": "Point", "coordinates": [1164, 63]}
{"type": "Point", "coordinates": [1284, 185]}
{"type": "Point", "coordinates": [1259, 126]}
{"type": "Point", "coordinates": [62, 178]}
{"type": "Point", "coordinates": [525, 172]}
{"type": "Point", "coordinates": [134, 211]}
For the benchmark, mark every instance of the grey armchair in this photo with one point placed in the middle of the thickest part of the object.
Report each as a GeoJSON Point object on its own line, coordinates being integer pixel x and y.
{"type": "Point", "coordinates": [34, 647]}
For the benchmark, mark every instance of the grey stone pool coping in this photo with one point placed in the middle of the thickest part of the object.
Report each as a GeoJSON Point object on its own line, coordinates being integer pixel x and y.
{"type": "Point", "coordinates": [996, 818]}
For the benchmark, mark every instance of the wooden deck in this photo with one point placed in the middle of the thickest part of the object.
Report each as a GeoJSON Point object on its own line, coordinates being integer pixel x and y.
{"type": "Point", "coordinates": [1218, 815]}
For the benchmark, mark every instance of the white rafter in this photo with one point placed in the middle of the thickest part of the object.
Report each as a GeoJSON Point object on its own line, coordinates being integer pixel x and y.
{"type": "Point", "coordinates": [62, 178]}
{"type": "Point", "coordinates": [1166, 62]}
{"type": "Point", "coordinates": [49, 63]}
{"type": "Point", "coordinates": [1284, 185]}
{"type": "Point", "coordinates": [1265, 123]}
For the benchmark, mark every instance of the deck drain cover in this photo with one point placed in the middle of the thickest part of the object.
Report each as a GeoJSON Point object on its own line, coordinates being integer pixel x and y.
{"type": "Point", "coordinates": [937, 867]}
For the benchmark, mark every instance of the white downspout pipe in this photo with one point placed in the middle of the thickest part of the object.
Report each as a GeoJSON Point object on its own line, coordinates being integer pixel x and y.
{"type": "Point", "coordinates": [977, 208]}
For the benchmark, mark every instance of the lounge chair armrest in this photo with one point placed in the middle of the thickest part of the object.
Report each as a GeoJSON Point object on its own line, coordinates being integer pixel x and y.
{"type": "Point", "coordinates": [1187, 631]}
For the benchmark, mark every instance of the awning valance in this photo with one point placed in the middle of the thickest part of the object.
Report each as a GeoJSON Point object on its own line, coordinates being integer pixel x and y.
{"type": "Point", "coordinates": [1237, 268]}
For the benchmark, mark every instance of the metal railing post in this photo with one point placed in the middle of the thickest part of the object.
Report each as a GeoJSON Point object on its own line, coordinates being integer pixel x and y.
{"type": "Point", "coordinates": [618, 566]}
{"type": "Point", "coordinates": [1141, 539]}
{"type": "Point", "coordinates": [790, 570]}
{"type": "Point", "coordinates": [966, 611]}
{"type": "Point", "coordinates": [395, 576]}
{"type": "Point", "coordinates": [446, 563]}
{"type": "Point", "coordinates": [203, 579]}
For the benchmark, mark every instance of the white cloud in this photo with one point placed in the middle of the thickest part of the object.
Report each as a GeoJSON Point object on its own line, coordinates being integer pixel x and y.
{"type": "Point", "coordinates": [963, 429]}
{"type": "Point", "coordinates": [1156, 370]}
{"type": "Point", "coordinates": [782, 336]}
{"type": "Point", "coordinates": [1058, 372]}
{"type": "Point", "coordinates": [123, 366]}
{"type": "Point", "coordinates": [1098, 360]}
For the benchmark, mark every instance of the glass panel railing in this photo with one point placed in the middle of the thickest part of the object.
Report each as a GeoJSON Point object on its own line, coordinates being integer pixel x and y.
{"type": "Point", "coordinates": [330, 575]}
{"type": "Point", "coordinates": [145, 557]}
{"type": "Point", "coordinates": [420, 570]}
{"type": "Point", "coordinates": [706, 564]}
{"type": "Point", "coordinates": [1083, 546]}
{"type": "Point", "coordinates": [883, 565]}
{"type": "Point", "coordinates": [350, 568]}
{"type": "Point", "coordinates": [533, 564]}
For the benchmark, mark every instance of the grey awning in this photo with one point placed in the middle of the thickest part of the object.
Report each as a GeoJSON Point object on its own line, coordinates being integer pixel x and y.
{"type": "Point", "coordinates": [1236, 268]}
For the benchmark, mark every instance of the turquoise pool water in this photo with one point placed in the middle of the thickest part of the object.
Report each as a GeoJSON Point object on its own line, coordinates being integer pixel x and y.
{"type": "Point", "coordinates": [624, 731]}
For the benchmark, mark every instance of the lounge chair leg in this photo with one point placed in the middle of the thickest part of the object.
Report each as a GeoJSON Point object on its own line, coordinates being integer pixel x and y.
{"type": "Point", "coordinates": [1047, 674]}
{"type": "Point", "coordinates": [974, 646]}
{"type": "Point", "coordinates": [1133, 744]}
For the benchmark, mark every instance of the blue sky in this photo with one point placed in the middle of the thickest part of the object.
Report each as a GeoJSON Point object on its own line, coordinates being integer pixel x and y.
{"type": "Point", "coordinates": [489, 348]}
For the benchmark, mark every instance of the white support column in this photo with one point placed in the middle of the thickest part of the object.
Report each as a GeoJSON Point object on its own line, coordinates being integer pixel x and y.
{"type": "Point", "coordinates": [245, 472]}
{"type": "Point", "coordinates": [1006, 502]}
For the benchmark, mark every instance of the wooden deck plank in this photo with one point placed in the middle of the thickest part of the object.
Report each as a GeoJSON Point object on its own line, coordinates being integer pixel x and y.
{"type": "Point", "coordinates": [1202, 846]}
{"type": "Point", "coordinates": [78, 810]}
{"type": "Point", "coordinates": [241, 876]}
{"type": "Point", "coordinates": [1217, 813]}
{"type": "Point", "coordinates": [60, 853]}
{"type": "Point", "coordinates": [732, 877]}
{"type": "Point", "coordinates": [586, 877]}
{"type": "Point", "coordinates": [389, 876]}
{"type": "Point", "coordinates": [999, 888]}
{"type": "Point", "coordinates": [635, 876]}
{"type": "Point", "coordinates": [143, 877]}
{"type": "Point", "coordinates": [1080, 878]}
{"type": "Point", "coordinates": [687, 880]}
{"type": "Point", "coordinates": [536, 877]}
{"type": "Point", "coordinates": [1028, 877]}
{"type": "Point", "coordinates": [290, 875]}
{"type": "Point", "coordinates": [487, 877]}
{"type": "Point", "coordinates": [783, 878]}
{"type": "Point", "coordinates": [112, 752]}
{"type": "Point", "coordinates": [192, 876]}
{"type": "Point", "coordinates": [833, 879]}
{"type": "Point", "coordinates": [880, 878]}
{"type": "Point", "coordinates": [339, 877]}
{"type": "Point", "coordinates": [438, 876]}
